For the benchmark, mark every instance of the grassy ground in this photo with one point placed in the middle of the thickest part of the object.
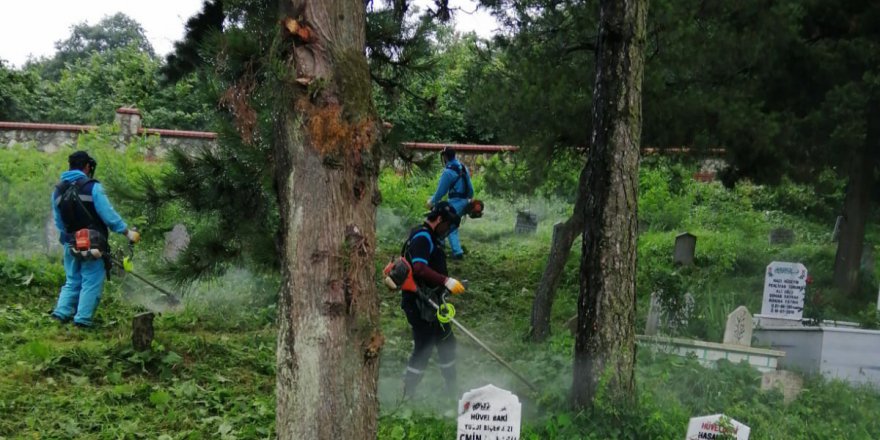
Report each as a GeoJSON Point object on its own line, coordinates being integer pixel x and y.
{"type": "Point", "coordinates": [57, 381]}
{"type": "Point", "coordinates": [210, 373]}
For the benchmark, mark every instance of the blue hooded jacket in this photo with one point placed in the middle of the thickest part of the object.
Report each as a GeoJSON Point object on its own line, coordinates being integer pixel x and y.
{"type": "Point", "coordinates": [102, 205]}
{"type": "Point", "coordinates": [449, 177]}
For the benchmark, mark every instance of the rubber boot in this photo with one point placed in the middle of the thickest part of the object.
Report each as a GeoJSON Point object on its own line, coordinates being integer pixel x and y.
{"type": "Point", "coordinates": [410, 382]}
{"type": "Point", "coordinates": [451, 383]}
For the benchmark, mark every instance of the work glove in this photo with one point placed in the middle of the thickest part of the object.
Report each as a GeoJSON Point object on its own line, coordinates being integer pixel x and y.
{"type": "Point", "coordinates": [454, 286]}
{"type": "Point", "coordinates": [133, 236]}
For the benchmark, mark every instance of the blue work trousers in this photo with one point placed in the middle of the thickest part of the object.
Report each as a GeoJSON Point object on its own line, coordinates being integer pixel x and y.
{"type": "Point", "coordinates": [454, 242]}
{"type": "Point", "coordinates": [81, 292]}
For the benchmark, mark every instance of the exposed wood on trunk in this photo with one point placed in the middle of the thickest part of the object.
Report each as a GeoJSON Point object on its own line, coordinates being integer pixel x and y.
{"type": "Point", "coordinates": [329, 336]}
{"type": "Point", "coordinates": [605, 342]}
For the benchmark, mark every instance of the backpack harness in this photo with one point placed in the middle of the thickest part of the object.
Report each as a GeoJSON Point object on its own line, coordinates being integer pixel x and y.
{"type": "Point", "coordinates": [462, 172]}
{"type": "Point", "coordinates": [399, 276]}
{"type": "Point", "coordinates": [90, 235]}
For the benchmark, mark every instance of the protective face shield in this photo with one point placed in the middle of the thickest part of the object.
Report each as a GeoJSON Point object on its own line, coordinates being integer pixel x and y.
{"type": "Point", "coordinates": [449, 219]}
{"type": "Point", "coordinates": [446, 154]}
{"type": "Point", "coordinates": [79, 160]}
{"type": "Point", "coordinates": [93, 165]}
{"type": "Point", "coordinates": [443, 229]}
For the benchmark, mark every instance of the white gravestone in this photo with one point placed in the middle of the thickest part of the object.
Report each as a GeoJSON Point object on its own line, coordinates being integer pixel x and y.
{"type": "Point", "coordinates": [662, 317]}
{"type": "Point", "coordinates": [489, 413]}
{"type": "Point", "coordinates": [653, 321]}
{"type": "Point", "coordinates": [53, 244]}
{"type": "Point", "coordinates": [739, 327]}
{"type": "Point", "coordinates": [784, 287]}
{"type": "Point", "coordinates": [176, 242]}
{"type": "Point", "coordinates": [711, 427]}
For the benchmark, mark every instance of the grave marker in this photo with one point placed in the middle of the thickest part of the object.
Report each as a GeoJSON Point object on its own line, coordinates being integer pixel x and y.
{"type": "Point", "coordinates": [789, 383]}
{"type": "Point", "coordinates": [176, 240]}
{"type": "Point", "coordinates": [653, 321]}
{"type": "Point", "coordinates": [660, 317]}
{"type": "Point", "coordinates": [489, 413]}
{"type": "Point", "coordinates": [678, 319]}
{"type": "Point", "coordinates": [142, 331]}
{"type": "Point", "coordinates": [784, 287]}
{"type": "Point", "coordinates": [781, 236]}
{"type": "Point", "coordinates": [526, 222]}
{"type": "Point", "coordinates": [710, 427]}
{"type": "Point", "coordinates": [835, 234]}
{"type": "Point", "coordinates": [685, 245]}
{"type": "Point", "coordinates": [53, 245]}
{"type": "Point", "coordinates": [739, 327]}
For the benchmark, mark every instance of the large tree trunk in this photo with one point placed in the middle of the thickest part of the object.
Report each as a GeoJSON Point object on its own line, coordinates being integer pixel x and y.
{"type": "Point", "coordinates": [328, 318]}
{"type": "Point", "coordinates": [560, 248]}
{"type": "Point", "coordinates": [605, 341]}
{"type": "Point", "coordinates": [857, 206]}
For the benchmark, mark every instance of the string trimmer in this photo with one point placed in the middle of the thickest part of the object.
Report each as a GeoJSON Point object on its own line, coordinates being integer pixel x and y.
{"type": "Point", "coordinates": [128, 266]}
{"type": "Point", "coordinates": [446, 313]}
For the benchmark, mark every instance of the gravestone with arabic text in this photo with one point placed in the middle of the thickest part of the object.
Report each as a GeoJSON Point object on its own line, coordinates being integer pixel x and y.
{"type": "Point", "coordinates": [785, 285]}
{"type": "Point", "coordinates": [489, 413]}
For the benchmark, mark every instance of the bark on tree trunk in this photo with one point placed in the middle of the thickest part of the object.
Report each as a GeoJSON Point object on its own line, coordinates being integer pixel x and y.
{"type": "Point", "coordinates": [605, 341]}
{"type": "Point", "coordinates": [857, 206]}
{"type": "Point", "coordinates": [560, 248]}
{"type": "Point", "coordinates": [329, 336]}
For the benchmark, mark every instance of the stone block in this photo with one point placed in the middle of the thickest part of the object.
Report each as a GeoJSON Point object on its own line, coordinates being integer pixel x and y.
{"type": "Point", "coordinates": [789, 383]}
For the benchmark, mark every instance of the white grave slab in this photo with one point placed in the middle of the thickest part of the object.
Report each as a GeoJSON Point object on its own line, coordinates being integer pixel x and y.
{"type": "Point", "coordinates": [489, 413]}
{"type": "Point", "coordinates": [784, 288]}
{"type": "Point", "coordinates": [710, 427]}
{"type": "Point", "coordinates": [738, 330]}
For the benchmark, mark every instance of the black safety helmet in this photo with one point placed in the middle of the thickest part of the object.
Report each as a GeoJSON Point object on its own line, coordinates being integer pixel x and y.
{"type": "Point", "coordinates": [79, 159]}
{"type": "Point", "coordinates": [448, 152]}
{"type": "Point", "coordinates": [446, 212]}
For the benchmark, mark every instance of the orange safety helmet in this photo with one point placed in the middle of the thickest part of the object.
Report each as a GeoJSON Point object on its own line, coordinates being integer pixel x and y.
{"type": "Point", "coordinates": [474, 209]}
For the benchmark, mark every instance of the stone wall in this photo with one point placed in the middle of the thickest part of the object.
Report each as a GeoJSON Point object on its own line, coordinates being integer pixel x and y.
{"type": "Point", "coordinates": [44, 137]}
{"type": "Point", "coordinates": [52, 137]}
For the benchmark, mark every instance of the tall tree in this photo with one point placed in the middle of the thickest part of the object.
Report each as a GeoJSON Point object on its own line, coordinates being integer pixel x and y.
{"type": "Point", "coordinates": [111, 32]}
{"type": "Point", "coordinates": [326, 177]}
{"type": "Point", "coordinates": [604, 359]}
{"type": "Point", "coordinates": [562, 240]}
{"type": "Point", "coordinates": [307, 93]}
{"type": "Point", "coordinates": [539, 74]}
{"type": "Point", "coordinates": [20, 93]}
{"type": "Point", "coordinates": [841, 125]}
{"type": "Point", "coordinates": [712, 68]}
{"type": "Point", "coordinates": [226, 46]}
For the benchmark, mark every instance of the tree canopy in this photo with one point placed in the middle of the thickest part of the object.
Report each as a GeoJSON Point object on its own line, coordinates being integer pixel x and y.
{"type": "Point", "coordinates": [112, 32]}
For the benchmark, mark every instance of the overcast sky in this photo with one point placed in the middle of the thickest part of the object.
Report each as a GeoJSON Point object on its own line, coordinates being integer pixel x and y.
{"type": "Point", "coordinates": [31, 27]}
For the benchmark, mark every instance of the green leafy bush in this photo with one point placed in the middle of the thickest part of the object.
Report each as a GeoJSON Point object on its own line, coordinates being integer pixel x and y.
{"type": "Point", "coordinates": [28, 176]}
{"type": "Point", "coordinates": [30, 273]}
{"type": "Point", "coordinates": [665, 197]}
